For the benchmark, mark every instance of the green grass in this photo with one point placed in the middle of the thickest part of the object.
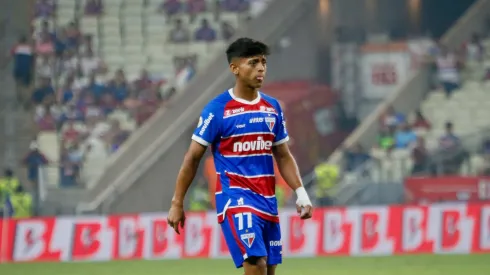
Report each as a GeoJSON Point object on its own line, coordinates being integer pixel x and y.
{"type": "Point", "coordinates": [399, 265]}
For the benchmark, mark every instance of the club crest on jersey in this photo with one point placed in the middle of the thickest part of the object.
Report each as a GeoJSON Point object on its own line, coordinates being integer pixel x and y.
{"type": "Point", "coordinates": [270, 121]}
{"type": "Point", "coordinates": [248, 239]}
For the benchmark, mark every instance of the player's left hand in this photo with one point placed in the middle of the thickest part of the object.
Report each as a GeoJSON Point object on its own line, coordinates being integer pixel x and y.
{"type": "Point", "coordinates": [305, 212]}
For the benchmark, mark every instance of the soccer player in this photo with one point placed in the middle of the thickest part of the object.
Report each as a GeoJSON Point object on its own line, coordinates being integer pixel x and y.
{"type": "Point", "coordinates": [245, 129]}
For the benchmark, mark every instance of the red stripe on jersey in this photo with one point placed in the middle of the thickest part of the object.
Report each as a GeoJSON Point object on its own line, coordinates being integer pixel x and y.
{"type": "Point", "coordinates": [231, 222]}
{"type": "Point", "coordinates": [243, 209]}
{"type": "Point", "coordinates": [247, 144]}
{"type": "Point", "coordinates": [219, 187]}
{"type": "Point", "coordinates": [265, 186]}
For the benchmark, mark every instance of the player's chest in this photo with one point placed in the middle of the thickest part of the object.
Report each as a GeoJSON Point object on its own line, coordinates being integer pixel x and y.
{"type": "Point", "coordinates": [250, 123]}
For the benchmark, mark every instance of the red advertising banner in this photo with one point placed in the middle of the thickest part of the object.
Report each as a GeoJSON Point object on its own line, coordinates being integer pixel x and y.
{"type": "Point", "coordinates": [449, 188]}
{"type": "Point", "coordinates": [389, 230]}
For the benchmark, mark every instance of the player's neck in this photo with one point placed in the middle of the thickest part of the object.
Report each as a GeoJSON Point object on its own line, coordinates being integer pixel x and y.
{"type": "Point", "coordinates": [244, 92]}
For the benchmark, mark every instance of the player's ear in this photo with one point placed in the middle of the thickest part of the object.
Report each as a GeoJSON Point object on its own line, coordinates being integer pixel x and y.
{"type": "Point", "coordinates": [234, 68]}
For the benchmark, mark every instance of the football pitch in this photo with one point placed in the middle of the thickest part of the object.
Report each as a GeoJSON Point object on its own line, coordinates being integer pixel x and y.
{"type": "Point", "coordinates": [399, 265]}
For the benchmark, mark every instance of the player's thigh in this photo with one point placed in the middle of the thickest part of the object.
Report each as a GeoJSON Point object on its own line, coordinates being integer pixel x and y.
{"type": "Point", "coordinates": [243, 233]}
{"type": "Point", "coordinates": [273, 242]}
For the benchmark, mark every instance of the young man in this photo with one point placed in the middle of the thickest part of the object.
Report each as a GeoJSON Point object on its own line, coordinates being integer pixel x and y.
{"type": "Point", "coordinates": [245, 129]}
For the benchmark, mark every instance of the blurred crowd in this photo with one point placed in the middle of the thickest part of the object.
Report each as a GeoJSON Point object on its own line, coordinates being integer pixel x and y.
{"type": "Point", "coordinates": [401, 139]}
{"type": "Point", "coordinates": [71, 91]}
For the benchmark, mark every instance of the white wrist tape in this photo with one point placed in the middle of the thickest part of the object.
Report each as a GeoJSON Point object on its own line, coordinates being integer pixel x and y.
{"type": "Point", "coordinates": [303, 198]}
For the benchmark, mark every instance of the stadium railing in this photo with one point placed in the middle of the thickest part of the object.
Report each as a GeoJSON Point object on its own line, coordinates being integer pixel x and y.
{"type": "Point", "coordinates": [410, 95]}
{"type": "Point", "coordinates": [159, 135]}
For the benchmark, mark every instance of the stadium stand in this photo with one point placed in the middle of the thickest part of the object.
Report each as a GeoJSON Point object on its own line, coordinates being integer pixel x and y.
{"type": "Point", "coordinates": [116, 62]}
{"type": "Point", "coordinates": [451, 129]}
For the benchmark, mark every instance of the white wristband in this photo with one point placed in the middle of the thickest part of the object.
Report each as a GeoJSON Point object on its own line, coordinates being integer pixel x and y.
{"type": "Point", "coordinates": [303, 198]}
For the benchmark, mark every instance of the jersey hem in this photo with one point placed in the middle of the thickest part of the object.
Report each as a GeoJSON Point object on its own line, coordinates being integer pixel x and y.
{"type": "Point", "coordinates": [284, 140]}
{"type": "Point", "coordinates": [200, 140]}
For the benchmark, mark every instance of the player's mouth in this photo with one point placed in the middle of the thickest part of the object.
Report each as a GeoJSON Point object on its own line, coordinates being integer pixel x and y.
{"type": "Point", "coordinates": [260, 78]}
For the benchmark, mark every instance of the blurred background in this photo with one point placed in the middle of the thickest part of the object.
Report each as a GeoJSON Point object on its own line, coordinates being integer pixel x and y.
{"type": "Point", "coordinates": [387, 102]}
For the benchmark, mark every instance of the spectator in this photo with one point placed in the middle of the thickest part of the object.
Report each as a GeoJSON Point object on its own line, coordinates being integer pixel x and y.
{"type": "Point", "coordinates": [44, 68]}
{"type": "Point", "coordinates": [132, 103]}
{"type": "Point", "coordinates": [45, 8]}
{"type": "Point", "coordinates": [355, 157]}
{"type": "Point", "coordinates": [69, 167]}
{"type": "Point", "coordinates": [8, 183]}
{"type": "Point", "coordinates": [419, 157]}
{"type": "Point", "coordinates": [65, 93]}
{"type": "Point", "coordinates": [405, 136]}
{"type": "Point", "coordinates": [87, 44]}
{"type": "Point", "coordinates": [194, 7]}
{"type": "Point", "coordinates": [32, 161]}
{"type": "Point", "coordinates": [107, 103]}
{"type": "Point", "coordinates": [386, 138]}
{"type": "Point", "coordinates": [70, 134]}
{"type": "Point", "coordinates": [205, 32]}
{"type": "Point", "coordinates": [391, 118]}
{"type": "Point", "coordinates": [94, 88]}
{"type": "Point", "coordinates": [71, 113]}
{"type": "Point", "coordinates": [179, 34]}
{"type": "Point", "coordinates": [73, 36]}
{"type": "Point", "coordinates": [42, 91]}
{"type": "Point", "coordinates": [90, 63]}
{"type": "Point", "coordinates": [119, 86]}
{"type": "Point", "coordinates": [48, 103]}
{"type": "Point", "coordinates": [421, 122]}
{"type": "Point", "coordinates": [144, 81]}
{"type": "Point", "coordinates": [47, 122]}
{"type": "Point", "coordinates": [60, 42]}
{"type": "Point", "coordinates": [474, 50]}
{"type": "Point", "coordinates": [447, 69]}
{"type": "Point", "coordinates": [449, 140]}
{"type": "Point", "coordinates": [227, 30]}
{"type": "Point", "coordinates": [23, 67]}
{"type": "Point", "coordinates": [94, 7]}
{"type": "Point", "coordinates": [45, 46]}
{"type": "Point", "coordinates": [44, 32]}
{"type": "Point", "coordinates": [170, 8]}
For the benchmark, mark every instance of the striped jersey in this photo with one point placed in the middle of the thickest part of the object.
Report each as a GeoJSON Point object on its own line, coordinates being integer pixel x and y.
{"type": "Point", "coordinates": [241, 134]}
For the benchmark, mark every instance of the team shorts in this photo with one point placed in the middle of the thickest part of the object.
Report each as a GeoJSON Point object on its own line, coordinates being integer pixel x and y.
{"type": "Point", "coordinates": [248, 235]}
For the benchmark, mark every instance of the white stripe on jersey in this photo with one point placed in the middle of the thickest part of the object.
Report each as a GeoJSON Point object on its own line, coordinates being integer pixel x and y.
{"type": "Point", "coordinates": [250, 177]}
{"type": "Point", "coordinates": [249, 134]}
{"type": "Point", "coordinates": [247, 189]}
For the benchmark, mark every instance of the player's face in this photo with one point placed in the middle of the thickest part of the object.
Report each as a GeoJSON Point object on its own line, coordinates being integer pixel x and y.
{"type": "Point", "coordinates": [251, 70]}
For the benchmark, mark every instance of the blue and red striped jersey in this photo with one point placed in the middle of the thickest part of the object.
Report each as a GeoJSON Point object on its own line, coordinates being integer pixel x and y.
{"type": "Point", "coordinates": [241, 134]}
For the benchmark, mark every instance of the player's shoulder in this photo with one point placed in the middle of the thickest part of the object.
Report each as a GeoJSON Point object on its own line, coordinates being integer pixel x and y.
{"type": "Point", "coordinates": [219, 102]}
{"type": "Point", "coordinates": [271, 100]}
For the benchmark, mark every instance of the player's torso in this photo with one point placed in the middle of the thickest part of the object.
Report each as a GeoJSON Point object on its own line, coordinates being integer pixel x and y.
{"type": "Point", "coordinates": [247, 133]}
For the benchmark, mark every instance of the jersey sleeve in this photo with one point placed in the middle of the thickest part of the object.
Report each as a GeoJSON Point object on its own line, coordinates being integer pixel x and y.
{"type": "Point", "coordinates": [281, 130]}
{"type": "Point", "coordinates": [208, 127]}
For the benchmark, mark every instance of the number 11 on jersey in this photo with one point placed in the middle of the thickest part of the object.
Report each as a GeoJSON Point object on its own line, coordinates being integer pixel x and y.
{"type": "Point", "coordinates": [240, 218]}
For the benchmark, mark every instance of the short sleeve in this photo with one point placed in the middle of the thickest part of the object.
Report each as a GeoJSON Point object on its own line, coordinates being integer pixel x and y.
{"type": "Point", "coordinates": [207, 129]}
{"type": "Point", "coordinates": [281, 130]}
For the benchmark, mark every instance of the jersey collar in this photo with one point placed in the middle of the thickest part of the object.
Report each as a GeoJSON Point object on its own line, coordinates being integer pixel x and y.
{"type": "Point", "coordinates": [253, 102]}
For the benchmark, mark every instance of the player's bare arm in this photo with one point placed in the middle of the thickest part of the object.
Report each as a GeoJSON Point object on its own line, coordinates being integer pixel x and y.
{"type": "Point", "coordinates": [185, 177]}
{"type": "Point", "coordinates": [290, 172]}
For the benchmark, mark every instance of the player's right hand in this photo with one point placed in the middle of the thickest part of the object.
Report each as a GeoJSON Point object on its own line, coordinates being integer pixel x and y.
{"type": "Point", "coordinates": [176, 217]}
